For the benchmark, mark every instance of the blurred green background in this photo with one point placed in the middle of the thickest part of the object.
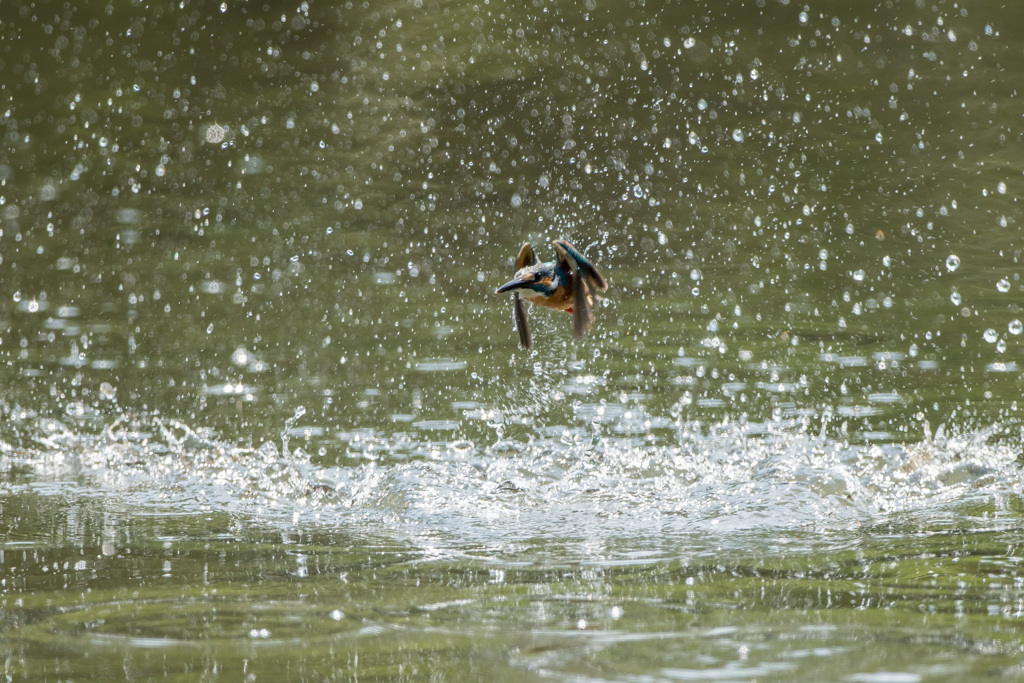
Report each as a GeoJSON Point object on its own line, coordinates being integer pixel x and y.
{"type": "Point", "coordinates": [227, 211]}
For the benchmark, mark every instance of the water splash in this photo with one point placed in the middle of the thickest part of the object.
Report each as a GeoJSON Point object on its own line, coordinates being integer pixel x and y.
{"type": "Point", "coordinates": [562, 482]}
{"type": "Point", "coordinates": [288, 425]}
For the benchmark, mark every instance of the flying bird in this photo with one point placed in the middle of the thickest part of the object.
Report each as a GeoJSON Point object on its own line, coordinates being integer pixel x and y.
{"type": "Point", "coordinates": [570, 283]}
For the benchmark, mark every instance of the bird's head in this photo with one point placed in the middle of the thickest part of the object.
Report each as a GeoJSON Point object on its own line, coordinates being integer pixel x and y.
{"type": "Point", "coordinates": [533, 282]}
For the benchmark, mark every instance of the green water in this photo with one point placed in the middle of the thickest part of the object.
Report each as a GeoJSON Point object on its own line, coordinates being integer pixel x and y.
{"type": "Point", "coordinates": [262, 416]}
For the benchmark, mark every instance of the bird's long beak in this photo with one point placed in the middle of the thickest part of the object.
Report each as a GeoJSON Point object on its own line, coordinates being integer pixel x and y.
{"type": "Point", "coordinates": [510, 285]}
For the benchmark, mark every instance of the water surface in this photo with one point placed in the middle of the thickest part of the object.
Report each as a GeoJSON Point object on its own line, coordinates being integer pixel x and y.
{"type": "Point", "coordinates": [262, 412]}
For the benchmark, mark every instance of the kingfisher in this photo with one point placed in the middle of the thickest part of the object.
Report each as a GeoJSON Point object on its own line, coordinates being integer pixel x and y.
{"type": "Point", "coordinates": [570, 283]}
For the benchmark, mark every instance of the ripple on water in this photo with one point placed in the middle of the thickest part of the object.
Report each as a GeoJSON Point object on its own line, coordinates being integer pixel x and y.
{"type": "Point", "coordinates": [440, 365]}
{"type": "Point", "coordinates": [857, 411]}
{"type": "Point", "coordinates": [466, 405]}
{"type": "Point", "coordinates": [1010, 366]}
{"type": "Point", "coordinates": [844, 361]}
{"type": "Point", "coordinates": [33, 305]}
{"type": "Point", "coordinates": [436, 425]}
{"type": "Point", "coordinates": [245, 392]}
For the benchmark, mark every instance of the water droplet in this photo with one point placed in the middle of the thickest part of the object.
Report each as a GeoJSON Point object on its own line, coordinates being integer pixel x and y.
{"type": "Point", "coordinates": [952, 262]}
{"type": "Point", "coordinates": [990, 335]}
{"type": "Point", "coordinates": [737, 135]}
{"type": "Point", "coordinates": [689, 42]}
{"type": "Point", "coordinates": [209, 329]}
{"type": "Point", "coordinates": [859, 275]}
{"type": "Point", "coordinates": [1015, 327]}
{"type": "Point", "coordinates": [1003, 285]}
{"type": "Point", "coordinates": [1001, 187]}
{"type": "Point", "coordinates": [215, 133]}
{"type": "Point", "coordinates": [955, 298]}
{"type": "Point", "coordinates": [240, 356]}
{"type": "Point", "coordinates": [108, 391]}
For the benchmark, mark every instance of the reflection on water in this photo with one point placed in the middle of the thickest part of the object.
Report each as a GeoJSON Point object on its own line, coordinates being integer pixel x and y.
{"type": "Point", "coordinates": [256, 390]}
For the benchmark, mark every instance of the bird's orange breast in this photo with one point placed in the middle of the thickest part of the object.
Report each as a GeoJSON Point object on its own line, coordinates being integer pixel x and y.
{"type": "Point", "coordinates": [560, 300]}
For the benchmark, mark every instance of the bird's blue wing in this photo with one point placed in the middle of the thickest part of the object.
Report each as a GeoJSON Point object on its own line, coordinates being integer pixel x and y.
{"type": "Point", "coordinates": [582, 282]}
{"type": "Point", "coordinates": [568, 253]}
{"type": "Point", "coordinates": [526, 257]}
